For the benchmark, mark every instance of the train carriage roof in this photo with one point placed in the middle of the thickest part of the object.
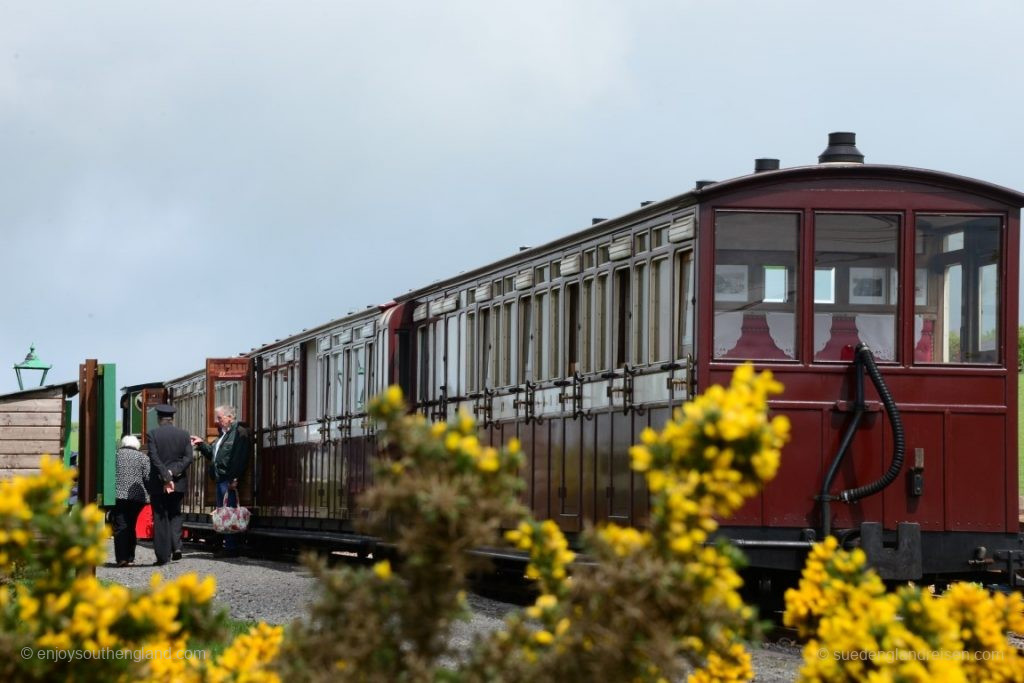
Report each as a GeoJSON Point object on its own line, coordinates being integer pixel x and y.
{"type": "Point", "coordinates": [708, 190]}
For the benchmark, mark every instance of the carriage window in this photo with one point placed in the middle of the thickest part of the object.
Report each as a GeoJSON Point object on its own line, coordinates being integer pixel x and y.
{"type": "Point", "coordinates": [424, 363]}
{"type": "Point", "coordinates": [640, 314]}
{"type": "Point", "coordinates": [359, 381]}
{"type": "Point", "coordinates": [348, 371]}
{"type": "Point", "coordinates": [622, 303]}
{"type": "Point", "coordinates": [438, 355]}
{"type": "Point", "coordinates": [324, 371]}
{"type": "Point", "coordinates": [586, 313]}
{"type": "Point", "coordinates": [555, 316]}
{"type": "Point", "coordinates": [600, 324]}
{"type": "Point", "coordinates": [453, 357]}
{"type": "Point", "coordinates": [469, 352]}
{"type": "Point", "coordinates": [307, 402]}
{"type": "Point", "coordinates": [755, 285]}
{"type": "Point", "coordinates": [371, 387]}
{"type": "Point", "coordinates": [684, 303]}
{"type": "Point", "coordinates": [541, 337]}
{"type": "Point", "coordinates": [338, 376]}
{"type": "Point", "coordinates": [525, 340]}
{"type": "Point", "coordinates": [855, 284]}
{"type": "Point", "coordinates": [268, 401]}
{"type": "Point", "coordinates": [956, 289]}
{"type": "Point", "coordinates": [659, 312]}
{"type": "Point", "coordinates": [486, 345]}
{"type": "Point", "coordinates": [281, 395]}
{"type": "Point", "coordinates": [507, 349]}
{"type": "Point", "coordinates": [572, 328]}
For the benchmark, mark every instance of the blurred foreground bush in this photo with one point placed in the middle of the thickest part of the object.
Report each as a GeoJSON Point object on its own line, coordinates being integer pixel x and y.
{"type": "Point", "coordinates": [58, 622]}
{"type": "Point", "coordinates": [656, 604]}
{"type": "Point", "coordinates": [857, 631]}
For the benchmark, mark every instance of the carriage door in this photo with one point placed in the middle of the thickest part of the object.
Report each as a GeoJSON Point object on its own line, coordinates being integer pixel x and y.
{"type": "Point", "coordinates": [229, 382]}
{"type": "Point", "coordinates": [143, 410]}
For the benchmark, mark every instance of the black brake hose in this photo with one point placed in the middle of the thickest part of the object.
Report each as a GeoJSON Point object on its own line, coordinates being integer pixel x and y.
{"type": "Point", "coordinates": [899, 445]}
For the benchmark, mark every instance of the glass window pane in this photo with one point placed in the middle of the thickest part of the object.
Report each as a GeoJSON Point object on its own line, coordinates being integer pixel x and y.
{"type": "Point", "coordinates": [525, 341]}
{"type": "Point", "coordinates": [554, 348]}
{"type": "Point", "coordinates": [572, 329]}
{"type": "Point", "coordinates": [640, 314]}
{"type": "Point", "coordinates": [541, 337]}
{"type": "Point", "coordinates": [956, 289]}
{"type": "Point", "coordinates": [600, 324]}
{"type": "Point", "coordinates": [621, 319]}
{"type": "Point", "coordinates": [755, 285]}
{"type": "Point", "coordinates": [586, 327]}
{"type": "Point", "coordinates": [855, 285]}
{"type": "Point", "coordinates": [469, 351]}
{"type": "Point", "coordinates": [684, 304]}
{"type": "Point", "coordinates": [660, 324]}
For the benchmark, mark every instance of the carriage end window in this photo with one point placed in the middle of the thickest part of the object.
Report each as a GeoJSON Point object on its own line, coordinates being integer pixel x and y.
{"type": "Point", "coordinates": [755, 285]}
{"type": "Point", "coordinates": [956, 289]}
{"type": "Point", "coordinates": [856, 284]}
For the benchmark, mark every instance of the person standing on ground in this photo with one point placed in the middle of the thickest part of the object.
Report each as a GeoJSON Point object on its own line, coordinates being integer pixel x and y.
{"type": "Point", "coordinates": [229, 455]}
{"type": "Point", "coordinates": [131, 475]}
{"type": "Point", "coordinates": [170, 452]}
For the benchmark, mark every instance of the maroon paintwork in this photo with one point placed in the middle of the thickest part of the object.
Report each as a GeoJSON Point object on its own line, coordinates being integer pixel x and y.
{"type": "Point", "coordinates": [962, 416]}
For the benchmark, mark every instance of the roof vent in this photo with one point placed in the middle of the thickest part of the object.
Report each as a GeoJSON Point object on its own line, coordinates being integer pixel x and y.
{"type": "Point", "coordinates": [643, 204]}
{"type": "Point", "coordinates": [595, 221]}
{"type": "Point", "coordinates": [842, 149]}
{"type": "Point", "coordinates": [762, 165]}
{"type": "Point", "coordinates": [701, 184]}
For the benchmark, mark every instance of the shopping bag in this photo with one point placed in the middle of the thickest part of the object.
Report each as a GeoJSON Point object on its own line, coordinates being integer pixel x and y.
{"type": "Point", "coordinates": [227, 520]}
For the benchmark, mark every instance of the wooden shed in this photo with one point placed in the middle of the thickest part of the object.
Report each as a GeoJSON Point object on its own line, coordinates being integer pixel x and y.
{"type": "Point", "coordinates": [34, 422]}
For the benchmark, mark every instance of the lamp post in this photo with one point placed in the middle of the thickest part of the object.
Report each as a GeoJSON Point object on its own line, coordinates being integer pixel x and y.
{"type": "Point", "coordinates": [31, 362]}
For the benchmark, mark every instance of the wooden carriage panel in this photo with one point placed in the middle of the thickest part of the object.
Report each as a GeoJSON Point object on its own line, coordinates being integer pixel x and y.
{"type": "Point", "coordinates": [922, 430]}
{"type": "Point", "coordinates": [975, 464]}
{"type": "Point", "coordinates": [865, 461]}
{"type": "Point", "coordinates": [621, 473]}
{"type": "Point", "coordinates": [540, 480]}
{"type": "Point", "coordinates": [526, 469]}
{"type": "Point", "coordinates": [602, 447]}
{"type": "Point", "coordinates": [568, 493]}
{"type": "Point", "coordinates": [788, 499]}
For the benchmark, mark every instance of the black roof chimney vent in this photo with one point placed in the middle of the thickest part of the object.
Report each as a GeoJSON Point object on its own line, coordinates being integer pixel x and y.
{"type": "Point", "coordinates": [762, 165]}
{"type": "Point", "coordinates": [701, 184]}
{"type": "Point", "coordinates": [842, 149]}
{"type": "Point", "coordinates": [643, 204]}
{"type": "Point", "coordinates": [595, 221]}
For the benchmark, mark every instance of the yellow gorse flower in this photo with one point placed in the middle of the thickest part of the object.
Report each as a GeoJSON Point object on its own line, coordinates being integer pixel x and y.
{"type": "Point", "coordinates": [67, 608]}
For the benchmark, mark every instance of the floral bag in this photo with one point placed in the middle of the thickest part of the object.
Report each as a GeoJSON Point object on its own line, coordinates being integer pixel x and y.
{"type": "Point", "coordinates": [227, 520]}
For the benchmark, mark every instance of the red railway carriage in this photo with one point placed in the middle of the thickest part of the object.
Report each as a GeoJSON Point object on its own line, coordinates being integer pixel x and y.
{"type": "Point", "coordinates": [576, 346]}
{"type": "Point", "coordinates": [883, 297]}
{"type": "Point", "coordinates": [801, 266]}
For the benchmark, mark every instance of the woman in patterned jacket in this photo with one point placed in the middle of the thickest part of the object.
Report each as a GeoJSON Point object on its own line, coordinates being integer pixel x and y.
{"type": "Point", "coordinates": [132, 473]}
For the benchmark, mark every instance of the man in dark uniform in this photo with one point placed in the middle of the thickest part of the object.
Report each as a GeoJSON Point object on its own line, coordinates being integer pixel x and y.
{"type": "Point", "coordinates": [170, 452]}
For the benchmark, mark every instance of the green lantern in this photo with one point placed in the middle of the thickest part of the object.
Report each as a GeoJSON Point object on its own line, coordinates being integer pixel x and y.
{"type": "Point", "coordinates": [32, 363]}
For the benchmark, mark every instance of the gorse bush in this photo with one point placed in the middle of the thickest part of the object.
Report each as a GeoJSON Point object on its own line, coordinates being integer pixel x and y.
{"type": "Point", "coordinates": [61, 623]}
{"type": "Point", "coordinates": [858, 631]}
{"type": "Point", "coordinates": [656, 604]}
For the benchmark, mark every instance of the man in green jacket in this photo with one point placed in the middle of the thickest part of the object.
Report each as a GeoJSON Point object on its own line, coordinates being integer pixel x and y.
{"type": "Point", "coordinates": [229, 455]}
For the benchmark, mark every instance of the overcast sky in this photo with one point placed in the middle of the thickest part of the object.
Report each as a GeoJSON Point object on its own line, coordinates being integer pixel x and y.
{"type": "Point", "coordinates": [181, 180]}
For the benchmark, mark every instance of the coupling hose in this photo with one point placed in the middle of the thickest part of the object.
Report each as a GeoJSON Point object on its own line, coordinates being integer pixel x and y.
{"type": "Point", "coordinates": [899, 444]}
